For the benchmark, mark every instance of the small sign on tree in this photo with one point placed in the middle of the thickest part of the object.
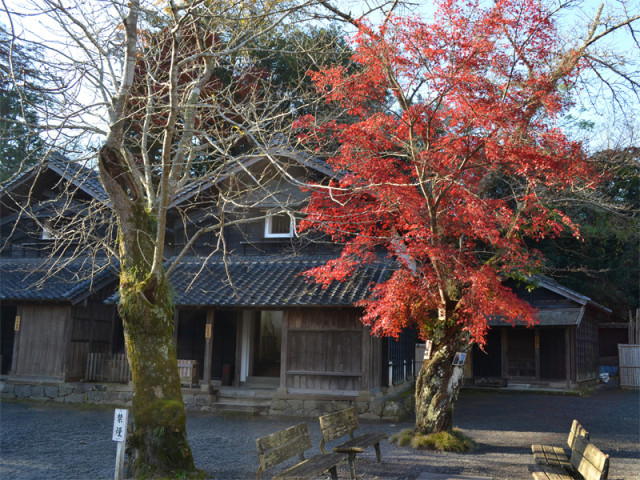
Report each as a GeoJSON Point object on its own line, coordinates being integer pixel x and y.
{"type": "Point", "coordinates": [459, 359]}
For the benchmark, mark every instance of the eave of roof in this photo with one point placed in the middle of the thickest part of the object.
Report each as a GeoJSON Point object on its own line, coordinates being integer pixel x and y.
{"type": "Point", "coordinates": [44, 280]}
{"type": "Point", "coordinates": [84, 178]}
{"type": "Point", "coordinates": [267, 282]}
{"type": "Point", "coordinates": [566, 292]}
{"type": "Point", "coordinates": [547, 317]}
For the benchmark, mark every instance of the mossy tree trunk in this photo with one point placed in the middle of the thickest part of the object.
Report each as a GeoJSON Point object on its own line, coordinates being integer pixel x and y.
{"type": "Point", "coordinates": [438, 384]}
{"type": "Point", "coordinates": [158, 443]}
{"type": "Point", "coordinates": [157, 446]}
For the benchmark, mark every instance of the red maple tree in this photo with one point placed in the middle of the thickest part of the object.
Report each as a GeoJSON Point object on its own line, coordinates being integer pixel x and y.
{"type": "Point", "coordinates": [450, 143]}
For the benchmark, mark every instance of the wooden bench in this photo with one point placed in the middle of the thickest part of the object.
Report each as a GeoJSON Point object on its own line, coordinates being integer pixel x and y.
{"type": "Point", "coordinates": [549, 455]}
{"type": "Point", "coordinates": [188, 371]}
{"type": "Point", "coordinates": [587, 463]}
{"type": "Point", "coordinates": [289, 443]}
{"type": "Point", "coordinates": [345, 422]}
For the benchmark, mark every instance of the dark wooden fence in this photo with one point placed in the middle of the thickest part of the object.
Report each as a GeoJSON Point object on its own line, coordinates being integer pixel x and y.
{"type": "Point", "coordinates": [106, 367]}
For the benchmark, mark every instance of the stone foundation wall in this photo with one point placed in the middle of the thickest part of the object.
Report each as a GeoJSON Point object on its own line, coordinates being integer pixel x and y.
{"type": "Point", "coordinates": [390, 407]}
{"type": "Point", "coordinates": [394, 409]}
{"type": "Point", "coordinates": [95, 393]}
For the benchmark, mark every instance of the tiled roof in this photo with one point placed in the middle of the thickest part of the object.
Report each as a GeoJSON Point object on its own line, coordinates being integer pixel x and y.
{"type": "Point", "coordinates": [74, 172]}
{"type": "Point", "coordinates": [548, 317]}
{"type": "Point", "coordinates": [266, 282]}
{"type": "Point", "coordinates": [39, 279]}
{"type": "Point", "coordinates": [80, 175]}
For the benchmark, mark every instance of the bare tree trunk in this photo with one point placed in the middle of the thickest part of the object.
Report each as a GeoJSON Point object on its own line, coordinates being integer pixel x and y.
{"type": "Point", "coordinates": [158, 446]}
{"type": "Point", "coordinates": [438, 385]}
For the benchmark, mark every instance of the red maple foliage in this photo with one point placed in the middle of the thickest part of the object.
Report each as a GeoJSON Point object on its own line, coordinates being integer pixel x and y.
{"type": "Point", "coordinates": [450, 142]}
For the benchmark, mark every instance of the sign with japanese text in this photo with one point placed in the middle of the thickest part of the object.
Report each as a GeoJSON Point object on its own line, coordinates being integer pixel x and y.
{"type": "Point", "coordinates": [427, 349]}
{"type": "Point", "coordinates": [120, 424]}
{"type": "Point", "coordinates": [459, 359]}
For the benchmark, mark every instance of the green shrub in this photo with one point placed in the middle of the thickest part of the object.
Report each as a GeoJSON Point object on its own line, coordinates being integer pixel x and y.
{"type": "Point", "coordinates": [449, 441]}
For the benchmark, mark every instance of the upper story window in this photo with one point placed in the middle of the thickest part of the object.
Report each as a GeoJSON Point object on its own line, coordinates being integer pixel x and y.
{"type": "Point", "coordinates": [279, 225]}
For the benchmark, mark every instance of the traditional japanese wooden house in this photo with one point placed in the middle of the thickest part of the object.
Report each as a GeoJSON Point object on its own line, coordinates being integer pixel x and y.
{"type": "Point", "coordinates": [52, 310]}
{"type": "Point", "coordinates": [245, 313]}
{"type": "Point", "coordinates": [560, 351]}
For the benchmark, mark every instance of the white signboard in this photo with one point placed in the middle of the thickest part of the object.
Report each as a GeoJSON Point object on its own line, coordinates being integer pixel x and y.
{"type": "Point", "coordinates": [120, 424]}
{"type": "Point", "coordinates": [427, 349]}
{"type": "Point", "coordinates": [459, 359]}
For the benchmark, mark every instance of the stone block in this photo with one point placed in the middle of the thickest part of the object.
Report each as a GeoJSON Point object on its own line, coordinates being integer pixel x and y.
{"type": "Point", "coordinates": [361, 407]}
{"type": "Point", "coordinates": [7, 388]}
{"type": "Point", "coordinates": [65, 389]}
{"type": "Point", "coordinates": [204, 400]}
{"type": "Point", "coordinates": [37, 391]}
{"type": "Point", "coordinates": [76, 398]}
{"type": "Point", "coordinates": [278, 405]}
{"type": "Point", "coordinates": [392, 411]}
{"type": "Point", "coordinates": [51, 391]}
{"type": "Point", "coordinates": [296, 404]}
{"type": "Point", "coordinates": [310, 406]}
{"type": "Point", "coordinates": [22, 390]}
{"type": "Point", "coordinates": [125, 396]}
{"type": "Point", "coordinates": [376, 408]}
{"type": "Point", "coordinates": [369, 416]}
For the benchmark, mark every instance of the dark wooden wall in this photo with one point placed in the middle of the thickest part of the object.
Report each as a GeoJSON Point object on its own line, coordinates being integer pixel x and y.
{"type": "Point", "coordinates": [586, 354]}
{"type": "Point", "coordinates": [327, 351]}
{"type": "Point", "coordinates": [41, 343]}
{"type": "Point", "coordinates": [92, 332]}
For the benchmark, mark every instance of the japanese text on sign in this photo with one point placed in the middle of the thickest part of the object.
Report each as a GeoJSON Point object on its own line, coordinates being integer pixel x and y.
{"type": "Point", "coordinates": [120, 424]}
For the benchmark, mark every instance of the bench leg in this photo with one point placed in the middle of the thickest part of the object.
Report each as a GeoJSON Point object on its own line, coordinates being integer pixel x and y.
{"type": "Point", "coordinates": [378, 454]}
{"type": "Point", "coordinates": [352, 465]}
{"type": "Point", "coordinates": [334, 472]}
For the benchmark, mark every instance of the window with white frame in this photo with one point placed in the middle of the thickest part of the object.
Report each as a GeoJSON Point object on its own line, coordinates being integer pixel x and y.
{"type": "Point", "coordinates": [279, 225]}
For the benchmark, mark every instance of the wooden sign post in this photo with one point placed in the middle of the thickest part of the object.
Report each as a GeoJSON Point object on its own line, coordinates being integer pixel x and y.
{"type": "Point", "coordinates": [120, 419]}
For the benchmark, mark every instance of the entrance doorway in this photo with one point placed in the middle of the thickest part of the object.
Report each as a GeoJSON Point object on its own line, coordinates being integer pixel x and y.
{"type": "Point", "coordinates": [521, 353]}
{"type": "Point", "coordinates": [191, 341]}
{"type": "Point", "coordinates": [7, 323]}
{"type": "Point", "coordinates": [267, 338]}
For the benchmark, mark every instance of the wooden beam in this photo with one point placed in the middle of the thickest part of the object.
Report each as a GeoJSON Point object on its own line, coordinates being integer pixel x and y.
{"type": "Point", "coordinates": [284, 347]}
{"type": "Point", "coordinates": [537, 351]}
{"type": "Point", "coordinates": [567, 355]}
{"type": "Point", "coordinates": [208, 348]}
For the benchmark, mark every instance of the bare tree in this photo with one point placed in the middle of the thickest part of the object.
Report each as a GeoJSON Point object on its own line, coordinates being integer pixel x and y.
{"type": "Point", "coordinates": [173, 96]}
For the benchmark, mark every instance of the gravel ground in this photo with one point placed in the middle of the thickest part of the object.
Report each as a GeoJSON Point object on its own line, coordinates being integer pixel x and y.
{"type": "Point", "coordinates": [50, 441]}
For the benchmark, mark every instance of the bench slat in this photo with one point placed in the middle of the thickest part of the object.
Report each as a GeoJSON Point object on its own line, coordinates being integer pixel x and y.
{"type": "Point", "coordinates": [280, 446]}
{"type": "Point", "coordinates": [339, 424]}
{"type": "Point", "coordinates": [589, 461]}
{"type": "Point", "coordinates": [336, 425]}
{"type": "Point", "coordinates": [311, 467]}
{"type": "Point", "coordinates": [548, 455]}
{"type": "Point", "coordinates": [576, 430]}
{"type": "Point", "coordinates": [549, 472]}
{"type": "Point", "coordinates": [365, 440]}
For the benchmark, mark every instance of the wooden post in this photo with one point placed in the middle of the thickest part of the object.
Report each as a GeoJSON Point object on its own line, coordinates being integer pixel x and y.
{"type": "Point", "coordinates": [504, 345]}
{"type": "Point", "coordinates": [208, 349]}
{"type": "Point", "coordinates": [284, 347]}
{"type": "Point", "coordinates": [537, 352]}
{"type": "Point", "coordinates": [16, 340]}
{"type": "Point", "coordinates": [567, 353]}
{"type": "Point", "coordinates": [176, 322]}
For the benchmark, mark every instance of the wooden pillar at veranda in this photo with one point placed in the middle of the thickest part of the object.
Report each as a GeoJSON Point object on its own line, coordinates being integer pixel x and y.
{"type": "Point", "coordinates": [208, 350]}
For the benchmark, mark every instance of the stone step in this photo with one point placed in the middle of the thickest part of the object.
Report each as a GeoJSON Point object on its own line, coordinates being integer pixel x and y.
{"type": "Point", "coordinates": [241, 407]}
